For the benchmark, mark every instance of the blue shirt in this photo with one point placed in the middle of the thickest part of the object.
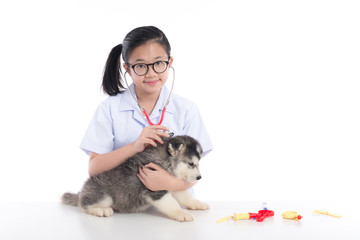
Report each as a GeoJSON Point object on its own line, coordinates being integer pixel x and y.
{"type": "Point", "coordinates": [118, 121]}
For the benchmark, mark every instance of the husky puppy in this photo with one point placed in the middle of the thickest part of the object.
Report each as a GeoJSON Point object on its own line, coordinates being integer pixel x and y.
{"type": "Point", "coordinates": [120, 190]}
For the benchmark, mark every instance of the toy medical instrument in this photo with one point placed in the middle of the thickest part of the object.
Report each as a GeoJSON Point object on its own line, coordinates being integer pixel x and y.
{"type": "Point", "coordinates": [327, 213]}
{"type": "Point", "coordinates": [260, 216]}
{"type": "Point", "coordinates": [143, 110]}
{"type": "Point", "coordinates": [291, 215]}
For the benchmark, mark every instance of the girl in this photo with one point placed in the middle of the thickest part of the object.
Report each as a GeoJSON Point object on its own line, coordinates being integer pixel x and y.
{"type": "Point", "coordinates": [118, 129]}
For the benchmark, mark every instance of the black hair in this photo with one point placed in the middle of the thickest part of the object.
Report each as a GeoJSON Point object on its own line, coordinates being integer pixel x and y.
{"type": "Point", "coordinates": [112, 83]}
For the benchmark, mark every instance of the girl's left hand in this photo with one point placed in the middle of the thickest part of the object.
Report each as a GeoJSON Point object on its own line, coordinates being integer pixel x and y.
{"type": "Point", "coordinates": [156, 178]}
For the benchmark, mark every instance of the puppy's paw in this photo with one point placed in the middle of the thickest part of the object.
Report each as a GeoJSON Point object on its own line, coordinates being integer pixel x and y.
{"type": "Point", "coordinates": [182, 216]}
{"type": "Point", "coordinates": [198, 205]}
{"type": "Point", "coordinates": [100, 212]}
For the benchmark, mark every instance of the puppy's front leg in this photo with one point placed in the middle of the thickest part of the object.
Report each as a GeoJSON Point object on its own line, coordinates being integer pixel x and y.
{"type": "Point", "coordinates": [186, 199]}
{"type": "Point", "coordinates": [170, 207]}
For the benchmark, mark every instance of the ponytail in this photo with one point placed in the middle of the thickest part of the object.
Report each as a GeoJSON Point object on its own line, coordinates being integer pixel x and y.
{"type": "Point", "coordinates": [112, 82]}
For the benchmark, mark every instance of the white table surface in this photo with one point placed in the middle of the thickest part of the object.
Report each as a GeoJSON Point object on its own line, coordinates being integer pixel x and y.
{"type": "Point", "coordinates": [53, 220]}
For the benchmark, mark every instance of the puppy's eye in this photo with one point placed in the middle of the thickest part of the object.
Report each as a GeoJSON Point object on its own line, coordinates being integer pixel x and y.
{"type": "Point", "coordinates": [191, 164]}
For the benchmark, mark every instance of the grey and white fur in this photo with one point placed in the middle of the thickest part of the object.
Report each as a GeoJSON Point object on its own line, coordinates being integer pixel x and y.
{"type": "Point", "coordinates": [120, 190]}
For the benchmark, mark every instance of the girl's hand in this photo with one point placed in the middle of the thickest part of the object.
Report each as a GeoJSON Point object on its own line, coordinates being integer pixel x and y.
{"type": "Point", "coordinates": [156, 178]}
{"type": "Point", "coordinates": [149, 136]}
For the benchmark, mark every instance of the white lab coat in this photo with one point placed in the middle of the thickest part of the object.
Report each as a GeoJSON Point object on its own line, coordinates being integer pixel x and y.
{"type": "Point", "coordinates": [118, 122]}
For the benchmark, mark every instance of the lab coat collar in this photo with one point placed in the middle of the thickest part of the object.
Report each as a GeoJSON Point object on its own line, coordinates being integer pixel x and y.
{"type": "Point", "coordinates": [129, 104]}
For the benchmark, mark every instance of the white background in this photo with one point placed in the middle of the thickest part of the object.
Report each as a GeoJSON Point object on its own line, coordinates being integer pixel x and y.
{"type": "Point", "coordinates": [277, 83]}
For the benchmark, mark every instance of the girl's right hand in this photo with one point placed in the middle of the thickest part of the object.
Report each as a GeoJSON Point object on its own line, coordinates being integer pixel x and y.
{"type": "Point", "coordinates": [149, 136]}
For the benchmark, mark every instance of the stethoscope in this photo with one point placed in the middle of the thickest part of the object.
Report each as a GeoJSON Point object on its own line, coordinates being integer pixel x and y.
{"type": "Point", "coordinates": [143, 110]}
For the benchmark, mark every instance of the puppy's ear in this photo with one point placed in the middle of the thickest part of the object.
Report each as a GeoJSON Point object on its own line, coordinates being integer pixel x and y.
{"type": "Point", "coordinates": [199, 150]}
{"type": "Point", "coordinates": [173, 150]}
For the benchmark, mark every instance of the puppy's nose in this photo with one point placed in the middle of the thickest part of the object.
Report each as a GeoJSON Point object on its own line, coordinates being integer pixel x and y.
{"type": "Point", "coordinates": [198, 177]}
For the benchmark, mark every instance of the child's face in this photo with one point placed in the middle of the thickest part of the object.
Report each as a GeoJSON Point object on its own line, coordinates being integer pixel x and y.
{"type": "Point", "coordinates": [151, 82]}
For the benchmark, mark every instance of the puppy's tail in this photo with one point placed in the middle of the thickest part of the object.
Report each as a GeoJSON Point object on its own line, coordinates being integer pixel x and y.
{"type": "Point", "coordinates": [70, 199]}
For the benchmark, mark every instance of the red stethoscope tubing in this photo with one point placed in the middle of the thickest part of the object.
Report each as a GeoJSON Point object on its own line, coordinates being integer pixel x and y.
{"type": "Point", "coordinates": [150, 122]}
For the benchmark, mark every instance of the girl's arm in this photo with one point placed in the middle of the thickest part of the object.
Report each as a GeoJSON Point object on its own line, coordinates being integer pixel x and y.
{"type": "Point", "coordinates": [159, 179]}
{"type": "Point", "coordinates": [99, 163]}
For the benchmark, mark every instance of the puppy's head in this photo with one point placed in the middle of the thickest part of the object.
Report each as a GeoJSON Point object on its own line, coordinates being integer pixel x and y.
{"type": "Point", "coordinates": [186, 153]}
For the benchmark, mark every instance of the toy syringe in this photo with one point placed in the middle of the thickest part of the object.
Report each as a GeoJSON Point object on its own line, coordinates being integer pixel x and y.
{"type": "Point", "coordinates": [260, 216]}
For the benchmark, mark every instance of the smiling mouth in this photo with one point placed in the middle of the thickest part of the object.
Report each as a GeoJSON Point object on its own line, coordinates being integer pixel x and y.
{"type": "Point", "coordinates": [152, 82]}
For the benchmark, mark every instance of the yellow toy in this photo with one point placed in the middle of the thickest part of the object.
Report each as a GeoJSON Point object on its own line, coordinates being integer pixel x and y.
{"type": "Point", "coordinates": [225, 219]}
{"type": "Point", "coordinates": [292, 215]}
{"type": "Point", "coordinates": [327, 213]}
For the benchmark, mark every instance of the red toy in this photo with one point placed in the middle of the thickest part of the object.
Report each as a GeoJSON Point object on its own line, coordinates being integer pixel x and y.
{"type": "Point", "coordinates": [260, 216]}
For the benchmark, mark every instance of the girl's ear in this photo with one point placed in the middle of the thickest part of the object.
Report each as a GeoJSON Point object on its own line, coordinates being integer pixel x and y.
{"type": "Point", "coordinates": [171, 61]}
{"type": "Point", "coordinates": [126, 67]}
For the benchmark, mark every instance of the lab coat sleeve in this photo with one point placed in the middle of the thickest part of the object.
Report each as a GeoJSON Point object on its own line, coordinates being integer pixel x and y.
{"type": "Point", "coordinates": [195, 127]}
{"type": "Point", "coordinates": [99, 137]}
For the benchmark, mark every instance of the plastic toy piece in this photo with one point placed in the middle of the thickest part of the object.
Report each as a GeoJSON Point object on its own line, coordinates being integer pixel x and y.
{"type": "Point", "coordinates": [292, 215]}
{"type": "Point", "coordinates": [260, 216]}
{"type": "Point", "coordinates": [246, 216]}
{"type": "Point", "coordinates": [224, 219]}
{"type": "Point", "coordinates": [327, 213]}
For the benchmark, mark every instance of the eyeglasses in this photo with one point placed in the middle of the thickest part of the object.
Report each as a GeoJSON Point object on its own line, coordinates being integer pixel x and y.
{"type": "Point", "coordinates": [141, 68]}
